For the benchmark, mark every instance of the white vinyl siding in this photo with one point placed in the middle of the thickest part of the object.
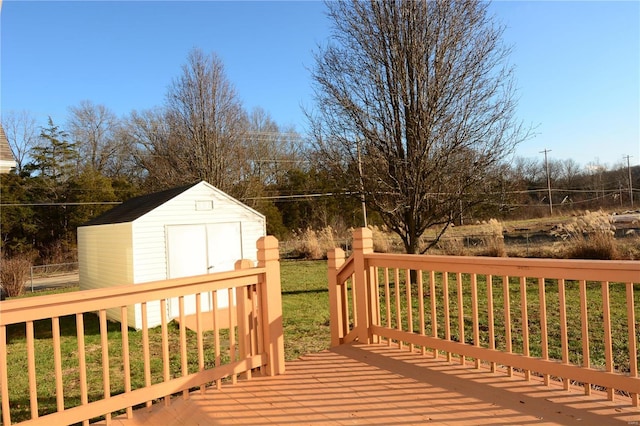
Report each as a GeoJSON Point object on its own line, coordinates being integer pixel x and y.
{"type": "Point", "coordinates": [99, 248]}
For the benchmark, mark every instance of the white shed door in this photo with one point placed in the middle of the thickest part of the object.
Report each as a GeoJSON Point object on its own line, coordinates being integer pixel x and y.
{"type": "Point", "coordinates": [224, 244]}
{"type": "Point", "coordinates": [201, 249]}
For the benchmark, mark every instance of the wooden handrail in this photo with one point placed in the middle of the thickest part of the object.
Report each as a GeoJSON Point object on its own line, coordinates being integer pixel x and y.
{"type": "Point", "coordinates": [29, 309]}
{"type": "Point", "coordinates": [415, 300]}
{"type": "Point", "coordinates": [254, 315]}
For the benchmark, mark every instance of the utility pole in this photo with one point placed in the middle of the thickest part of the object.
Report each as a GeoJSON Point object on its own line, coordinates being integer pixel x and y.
{"type": "Point", "coordinates": [630, 181]}
{"type": "Point", "coordinates": [362, 199]}
{"type": "Point", "coordinates": [546, 165]}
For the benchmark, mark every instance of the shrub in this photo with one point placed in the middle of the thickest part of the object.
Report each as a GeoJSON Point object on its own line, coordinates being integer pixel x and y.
{"type": "Point", "coordinates": [494, 240]}
{"type": "Point", "coordinates": [452, 247]}
{"type": "Point", "coordinates": [313, 245]}
{"type": "Point", "coordinates": [590, 236]}
{"type": "Point", "coordinates": [381, 242]}
{"type": "Point", "coordinates": [13, 274]}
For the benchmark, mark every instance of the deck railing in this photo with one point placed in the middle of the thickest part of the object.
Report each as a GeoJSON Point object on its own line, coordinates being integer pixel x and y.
{"type": "Point", "coordinates": [75, 366]}
{"type": "Point", "coordinates": [573, 320]}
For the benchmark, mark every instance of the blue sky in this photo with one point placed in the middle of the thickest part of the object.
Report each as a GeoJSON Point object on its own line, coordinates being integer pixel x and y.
{"type": "Point", "coordinates": [577, 63]}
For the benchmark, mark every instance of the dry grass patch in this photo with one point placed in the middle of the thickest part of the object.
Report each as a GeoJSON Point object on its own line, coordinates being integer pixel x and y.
{"type": "Point", "coordinates": [311, 244]}
{"type": "Point", "coordinates": [591, 236]}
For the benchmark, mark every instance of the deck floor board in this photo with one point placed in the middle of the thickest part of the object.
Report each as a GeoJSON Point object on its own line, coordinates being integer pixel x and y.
{"type": "Point", "coordinates": [376, 384]}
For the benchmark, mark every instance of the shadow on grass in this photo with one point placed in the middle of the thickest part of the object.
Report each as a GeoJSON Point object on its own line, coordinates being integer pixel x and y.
{"type": "Point", "coordinates": [316, 291]}
{"type": "Point", "coordinates": [42, 328]}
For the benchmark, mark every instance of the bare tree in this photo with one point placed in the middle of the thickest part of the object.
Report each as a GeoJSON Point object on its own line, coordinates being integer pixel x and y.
{"type": "Point", "coordinates": [570, 173]}
{"type": "Point", "coordinates": [531, 170]}
{"type": "Point", "coordinates": [152, 149]}
{"type": "Point", "coordinates": [425, 90]}
{"type": "Point", "coordinates": [271, 151]}
{"type": "Point", "coordinates": [207, 123]}
{"type": "Point", "coordinates": [22, 133]}
{"type": "Point", "coordinates": [92, 128]}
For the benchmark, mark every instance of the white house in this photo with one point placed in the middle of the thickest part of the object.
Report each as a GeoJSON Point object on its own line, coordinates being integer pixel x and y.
{"type": "Point", "coordinates": [7, 160]}
{"type": "Point", "coordinates": [190, 230]}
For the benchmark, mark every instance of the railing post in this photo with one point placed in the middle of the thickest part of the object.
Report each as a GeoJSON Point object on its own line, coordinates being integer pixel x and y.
{"type": "Point", "coordinates": [335, 259]}
{"type": "Point", "coordinates": [363, 245]}
{"type": "Point", "coordinates": [271, 304]}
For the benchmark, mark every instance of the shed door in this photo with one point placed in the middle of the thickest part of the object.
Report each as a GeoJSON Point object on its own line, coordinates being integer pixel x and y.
{"type": "Point", "coordinates": [201, 249]}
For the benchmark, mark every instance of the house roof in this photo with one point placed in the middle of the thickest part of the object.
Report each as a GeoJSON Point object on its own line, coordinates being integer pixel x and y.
{"type": "Point", "coordinates": [7, 159]}
{"type": "Point", "coordinates": [136, 207]}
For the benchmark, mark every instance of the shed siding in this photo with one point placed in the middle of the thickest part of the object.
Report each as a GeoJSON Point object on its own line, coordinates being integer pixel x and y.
{"type": "Point", "coordinates": [99, 248]}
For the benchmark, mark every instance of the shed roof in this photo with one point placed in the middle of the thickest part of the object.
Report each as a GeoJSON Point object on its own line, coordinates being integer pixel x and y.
{"type": "Point", "coordinates": [136, 207]}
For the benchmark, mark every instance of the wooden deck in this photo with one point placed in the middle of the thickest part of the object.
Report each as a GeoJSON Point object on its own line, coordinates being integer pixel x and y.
{"type": "Point", "coordinates": [375, 384]}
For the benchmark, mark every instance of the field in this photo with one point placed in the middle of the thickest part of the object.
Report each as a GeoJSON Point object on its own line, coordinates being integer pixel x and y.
{"type": "Point", "coordinates": [590, 235]}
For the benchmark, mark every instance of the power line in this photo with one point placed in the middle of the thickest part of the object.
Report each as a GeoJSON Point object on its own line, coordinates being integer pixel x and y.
{"type": "Point", "coordinates": [60, 204]}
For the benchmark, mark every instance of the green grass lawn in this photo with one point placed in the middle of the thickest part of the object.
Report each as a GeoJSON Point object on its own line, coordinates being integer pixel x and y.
{"type": "Point", "coordinates": [305, 307]}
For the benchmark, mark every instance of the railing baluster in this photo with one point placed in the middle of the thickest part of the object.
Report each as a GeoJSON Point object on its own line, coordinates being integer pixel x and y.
{"type": "Point", "coordinates": [4, 379]}
{"type": "Point", "coordinates": [434, 315]}
{"type": "Point", "coordinates": [259, 336]}
{"type": "Point", "coordinates": [633, 347]}
{"type": "Point", "coordinates": [57, 362]}
{"type": "Point", "coordinates": [445, 302]}
{"type": "Point", "coordinates": [183, 344]}
{"type": "Point", "coordinates": [253, 302]}
{"type": "Point", "coordinates": [126, 362]}
{"type": "Point", "coordinates": [544, 334]}
{"type": "Point", "coordinates": [584, 319]}
{"type": "Point", "coordinates": [564, 340]}
{"type": "Point", "coordinates": [82, 362]}
{"type": "Point", "coordinates": [387, 300]}
{"type": "Point", "coordinates": [244, 338]}
{"type": "Point", "coordinates": [375, 314]}
{"type": "Point", "coordinates": [408, 284]}
{"type": "Point", "coordinates": [344, 292]}
{"type": "Point", "coordinates": [421, 308]}
{"type": "Point", "coordinates": [507, 320]}
{"type": "Point", "coordinates": [608, 342]}
{"type": "Point", "coordinates": [354, 303]}
{"type": "Point", "coordinates": [232, 333]}
{"type": "Point", "coordinates": [461, 338]}
{"type": "Point", "coordinates": [397, 300]}
{"type": "Point", "coordinates": [199, 340]}
{"type": "Point", "coordinates": [491, 319]}
{"type": "Point", "coordinates": [524, 315]}
{"type": "Point", "coordinates": [216, 336]}
{"type": "Point", "coordinates": [166, 373]}
{"type": "Point", "coordinates": [31, 368]}
{"type": "Point", "coordinates": [474, 313]}
{"type": "Point", "coordinates": [146, 356]}
{"type": "Point", "coordinates": [104, 342]}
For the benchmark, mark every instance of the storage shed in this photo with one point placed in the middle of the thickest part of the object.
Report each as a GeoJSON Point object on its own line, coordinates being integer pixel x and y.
{"type": "Point", "coordinates": [185, 231]}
